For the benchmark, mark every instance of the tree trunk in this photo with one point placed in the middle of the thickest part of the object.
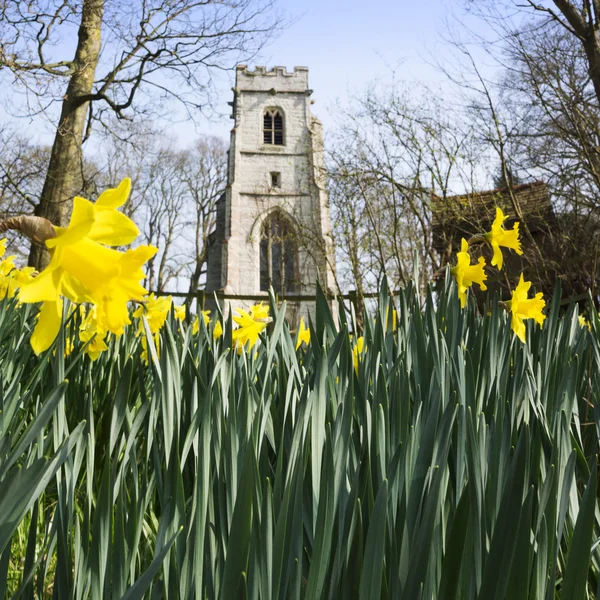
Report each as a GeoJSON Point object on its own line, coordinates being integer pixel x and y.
{"type": "Point", "coordinates": [592, 51]}
{"type": "Point", "coordinates": [64, 171]}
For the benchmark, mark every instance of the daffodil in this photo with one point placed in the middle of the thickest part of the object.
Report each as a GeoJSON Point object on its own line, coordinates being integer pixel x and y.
{"type": "Point", "coordinates": [196, 324]}
{"type": "Point", "coordinates": [92, 333]}
{"type": "Point", "coordinates": [179, 312]}
{"type": "Point", "coordinates": [498, 236]}
{"type": "Point", "coordinates": [522, 307]}
{"type": "Point", "coordinates": [358, 349]}
{"type": "Point", "coordinates": [155, 309]}
{"type": "Point", "coordinates": [303, 334]}
{"type": "Point", "coordinates": [259, 311]}
{"type": "Point", "coordinates": [3, 243]}
{"type": "Point", "coordinates": [467, 274]}
{"type": "Point", "coordinates": [11, 278]}
{"type": "Point", "coordinates": [8, 284]}
{"type": "Point", "coordinates": [84, 269]}
{"type": "Point", "coordinates": [583, 322]}
{"type": "Point", "coordinates": [218, 330]}
{"type": "Point", "coordinates": [144, 354]}
{"type": "Point", "coordinates": [251, 324]}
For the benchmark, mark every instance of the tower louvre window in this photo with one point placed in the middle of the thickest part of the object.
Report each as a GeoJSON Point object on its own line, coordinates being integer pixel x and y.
{"type": "Point", "coordinates": [273, 127]}
{"type": "Point", "coordinates": [278, 255]}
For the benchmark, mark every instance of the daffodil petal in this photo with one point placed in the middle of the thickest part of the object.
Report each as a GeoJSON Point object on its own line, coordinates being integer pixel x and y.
{"type": "Point", "coordinates": [115, 197]}
{"type": "Point", "coordinates": [47, 327]}
{"type": "Point", "coordinates": [113, 228]}
{"type": "Point", "coordinates": [45, 287]}
{"type": "Point", "coordinates": [80, 225]}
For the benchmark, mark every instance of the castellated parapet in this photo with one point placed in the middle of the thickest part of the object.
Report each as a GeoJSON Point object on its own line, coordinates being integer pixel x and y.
{"type": "Point", "coordinates": [275, 173]}
{"type": "Point", "coordinates": [276, 80]}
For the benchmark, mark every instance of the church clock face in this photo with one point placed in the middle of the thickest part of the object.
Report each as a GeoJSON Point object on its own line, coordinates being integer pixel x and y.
{"type": "Point", "coordinates": [273, 226]}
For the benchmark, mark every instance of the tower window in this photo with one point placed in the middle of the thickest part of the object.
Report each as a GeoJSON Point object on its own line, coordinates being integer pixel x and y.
{"type": "Point", "coordinates": [278, 255]}
{"type": "Point", "coordinates": [273, 127]}
{"type": "Point", "coordinates": [275, 179]}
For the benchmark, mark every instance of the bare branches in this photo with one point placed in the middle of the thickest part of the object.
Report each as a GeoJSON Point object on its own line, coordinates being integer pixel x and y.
{"type": "Point", "coordinates": [164, 47]}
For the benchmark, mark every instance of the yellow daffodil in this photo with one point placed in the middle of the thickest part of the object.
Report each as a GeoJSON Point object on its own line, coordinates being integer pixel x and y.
{"type": "Point", "coordinates": [84, 269]}
{"type": "Point", "coordinates": [218, 330]}
{"type": "Point", "coordinates": [8, 284]}
{"type": "Point", "coordinates": [11, 279]}
{"type": "Point", "coordinates": [259, 311]}
{"type": "Point", "coordinates": [3, 243]}
{"type": "Point", "coordinates": [155, 309]}
{"type": "Point", "coordinates": [525, 308]}
{"type": "Point", "coordinates": [303, 335]}
{"type": "Point", "coordinates": [251, 324]}
{"type": "Point", "coordinates": [498, 236]}
{"type": "Point", "coordinates": [24, 275]}
{"type": "Point", "coordinates": [179, 312]}
{"type": "Point", "coordinates": [92, 329]}
{"type": "Point", "coordinates": [583, 322]}
{"type": "Point", "coordinates": [356, 351]}
{"type": "Point", "coordinates": [467, 274]}
{"type": "Point", "coordinates": [196, 324]}
{"type": "Point", "coordinates": [144, 355]}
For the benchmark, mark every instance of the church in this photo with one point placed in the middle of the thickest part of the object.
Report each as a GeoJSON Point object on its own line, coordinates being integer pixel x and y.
{"type": "Point", "coordinates": [272, 225]}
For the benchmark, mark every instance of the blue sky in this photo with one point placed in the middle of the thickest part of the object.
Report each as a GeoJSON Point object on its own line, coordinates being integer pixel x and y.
{"type": "Point", "coordinates": [349, 44]}
{"type": "Point", "coordinates": [346, 44]}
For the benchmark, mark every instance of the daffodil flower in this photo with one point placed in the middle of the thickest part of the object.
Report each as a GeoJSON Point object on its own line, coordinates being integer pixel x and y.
{"type": "Point", "coordinates": [467, 274]}
{"type": "Point", "coordinates": [583, 322]}
{"type": "Point", "coordinates": [498, 236]}
{"type": "Point", "coordinates": [251, 324]}
{"type": "Point", "coordinates": [218, 329]}
{"type": "Point", "coordinates": [3, 243]}
{"type": "Point", "coordinates": [179, 312]}
{"type": "Point", "coordinates": [92, 331]}
{"type": "Point", "coordinates": [522, 307]}
{"type": "Point", "coordinates": [358, 349]}
{"type": "Point", "coordinates": [84, 269]}
{"type": "Point", "coordinates": [155, 309]}
{"type": "Point", "coordinates": [303, 335]}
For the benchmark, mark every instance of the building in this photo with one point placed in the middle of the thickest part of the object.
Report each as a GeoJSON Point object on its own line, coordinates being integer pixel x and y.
{"type": "Point", "coordinates": [272, 226]}
{"type": "Point", "coordinates": [463, 216]}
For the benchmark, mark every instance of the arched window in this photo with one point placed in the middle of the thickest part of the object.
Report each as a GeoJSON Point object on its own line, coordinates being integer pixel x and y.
{"type": "Point", "coordinates": [273, 127]}
{"type": "Point", "coordinates": [278, 255]}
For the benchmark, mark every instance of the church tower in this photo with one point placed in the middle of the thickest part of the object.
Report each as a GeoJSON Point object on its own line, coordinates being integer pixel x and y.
{"type": "Point", "coordinates": [273, 224]}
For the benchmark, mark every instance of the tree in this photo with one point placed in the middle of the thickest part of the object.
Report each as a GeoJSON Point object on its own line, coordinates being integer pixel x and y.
{"type": "Point", "coordinates": [395, 152]}
{"type": "Point", "coordinates": [173, 199]}
{"type": "Point", "coordinates": [542, 115]}
{"type": "Point", "coordinates": [130, 58]}
{"type": "Point", "coordinates": [204, 177]}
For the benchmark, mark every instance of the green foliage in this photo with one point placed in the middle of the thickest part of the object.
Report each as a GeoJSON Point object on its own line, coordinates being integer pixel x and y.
{"type": "Point", "coordinates": [457, 463]}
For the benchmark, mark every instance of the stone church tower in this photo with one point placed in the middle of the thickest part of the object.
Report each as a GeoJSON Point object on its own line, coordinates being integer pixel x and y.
{"type": "Point", "coordinates": [273, 224]}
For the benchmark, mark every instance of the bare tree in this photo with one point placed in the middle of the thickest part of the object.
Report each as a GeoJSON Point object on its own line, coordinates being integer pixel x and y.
{"type": "Point", "coordinates": [160, 215]}
{"type": "Point", "coordinates": [541, 117]}
{"type": "Point", "coordinates": [130, 58]}
{"type": "Point", "coordinates": [394, 154]}
{"type": "Point", "coordinates": [204, 177]}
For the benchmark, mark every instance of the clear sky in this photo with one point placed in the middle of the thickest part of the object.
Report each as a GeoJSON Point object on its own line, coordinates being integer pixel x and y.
{"type": "Point", "coordinates": [348, 44]}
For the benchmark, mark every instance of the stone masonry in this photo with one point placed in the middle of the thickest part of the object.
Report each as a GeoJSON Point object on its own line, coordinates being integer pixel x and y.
{"type": "Point", "coordinates": [250, 197]}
